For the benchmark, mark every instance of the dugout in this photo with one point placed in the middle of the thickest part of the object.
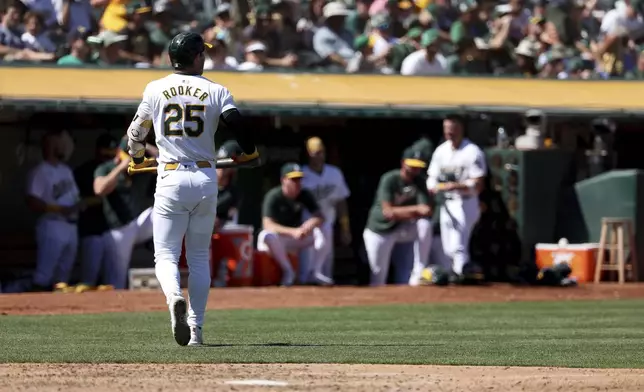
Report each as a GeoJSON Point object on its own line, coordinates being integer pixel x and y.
{"type": "Point", "coordinates": [359, 145]}
{"type": "Point", "coordinates": [365, 136]}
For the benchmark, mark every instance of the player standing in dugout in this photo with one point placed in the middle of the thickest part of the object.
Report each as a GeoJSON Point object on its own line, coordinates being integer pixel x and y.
{"type": "Point", "coordinates": [401, 199]}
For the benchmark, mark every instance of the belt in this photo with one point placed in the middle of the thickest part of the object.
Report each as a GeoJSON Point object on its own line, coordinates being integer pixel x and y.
{"type": "Point", "coordinates": [175, 165]}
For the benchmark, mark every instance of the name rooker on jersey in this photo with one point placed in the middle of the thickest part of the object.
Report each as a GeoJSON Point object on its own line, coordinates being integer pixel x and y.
{"type": "Point", "coordinates": [186, 91]}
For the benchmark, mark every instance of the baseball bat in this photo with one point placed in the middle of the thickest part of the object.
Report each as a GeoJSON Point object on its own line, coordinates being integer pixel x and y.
{"type": "Point", "coordinates": [222, 163]}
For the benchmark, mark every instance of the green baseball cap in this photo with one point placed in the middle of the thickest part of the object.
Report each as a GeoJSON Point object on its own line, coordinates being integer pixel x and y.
{"type": "Point", "coordinates": [360, 42]}
{"type": "Point", "coordinates": [292, 170]}
{"type": "Point", "coordinates": [414, 158]}
{"type": "Point", "coordinates": [429, 37]}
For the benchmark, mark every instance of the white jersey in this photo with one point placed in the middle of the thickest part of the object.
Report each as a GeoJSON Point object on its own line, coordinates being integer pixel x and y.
{"type": "Point", "coordinates": [184, 110]}
{"type": "Point", "coordinates": [54, 185]}
{"type": "Point", "coordinates": [464, 163]}
{"type": "Point", "coordinates": [328, 187]}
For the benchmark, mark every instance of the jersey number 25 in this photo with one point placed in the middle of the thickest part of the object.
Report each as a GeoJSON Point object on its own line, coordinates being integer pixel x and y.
{"type": "Point", "coordinates": [175, 113]}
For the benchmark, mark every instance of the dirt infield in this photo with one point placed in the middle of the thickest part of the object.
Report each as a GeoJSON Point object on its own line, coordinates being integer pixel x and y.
{"type": "Point", "coordinates": [309, 377]}
{"type": "Point", "coordinates": [262, 298]}
{"type": "Point", "coordinates": [312, 377]}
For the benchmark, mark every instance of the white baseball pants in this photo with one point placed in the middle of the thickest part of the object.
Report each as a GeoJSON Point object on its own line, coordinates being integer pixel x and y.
{"type": "Point", "coordinates": [122, 240]}
{"type": "Point", "coordinates": [317, 260]}
{"type": "Point", "coordinates": [185, 204]}
{"type": "Point", "coordinates": [457, 219]}
{"type": "Point", "coordinates": [57, 243]}
{"type": "Point", "coordinates": [422, 247]}
{"type": "Point", "coordinates": [280, 245]}
{"type": "Point", "coordinates": [379, 247]}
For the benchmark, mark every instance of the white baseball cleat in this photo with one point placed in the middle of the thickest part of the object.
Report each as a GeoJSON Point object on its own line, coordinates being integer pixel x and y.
{"type": "Point", "coordinates": [178, 316]}
{"type": "Point", "coordinates": [322, 280]}
{"type": "Point", "coordinates": [196, 336]}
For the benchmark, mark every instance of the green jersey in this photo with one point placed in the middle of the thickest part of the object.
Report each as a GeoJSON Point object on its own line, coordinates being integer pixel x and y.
{"type": "Point", "coordinates": [126, 202]}
{"type": "Point", "coordinates": [393, 189]}
{"type": "Point", "coordinates": [227, 199]}
{"type": "Point", "coordinates": [288, 212]}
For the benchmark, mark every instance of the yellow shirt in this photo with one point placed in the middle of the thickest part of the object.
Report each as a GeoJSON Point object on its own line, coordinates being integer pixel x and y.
{"type": "Point", "coordinates": [114, 16]}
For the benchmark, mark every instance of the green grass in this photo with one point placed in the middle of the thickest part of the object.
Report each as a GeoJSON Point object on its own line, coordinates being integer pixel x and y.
{"type": "Point", "coordinates": [570, 334]}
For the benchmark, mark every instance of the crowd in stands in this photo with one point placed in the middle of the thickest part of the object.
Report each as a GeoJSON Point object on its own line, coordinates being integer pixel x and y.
{"type": "Point", "coordinates": [564, 39]}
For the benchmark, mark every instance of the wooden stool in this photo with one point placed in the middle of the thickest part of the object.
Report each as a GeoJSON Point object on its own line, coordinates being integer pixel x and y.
{"type": "Point", "coordinates": [617, 248]}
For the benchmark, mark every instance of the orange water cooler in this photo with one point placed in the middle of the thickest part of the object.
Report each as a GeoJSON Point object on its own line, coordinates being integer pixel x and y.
{"type": "Point", "coordinates": [580, 257]}
{"type": "Point", "coordinates": [231, 256]}
{"type": "Point", "coordinates": [266, 271]}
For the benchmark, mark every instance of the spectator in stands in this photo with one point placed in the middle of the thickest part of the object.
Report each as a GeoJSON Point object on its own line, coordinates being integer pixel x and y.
{"type": "Point", "coordinates": [109, 46]}
{"type": "Point", "coordinates": [217, 57]}
{"type": "Point", "coordinates": [35, 38]}
{"type": "Point", "coordinates": [181, 17]}
{"type": "Point", "coordinates": [311, 21]}
{"type": "Point", "coordinates": [332, 42]}
{"type": "Point", "coordinates": [363, 60]}
{"type": "Point", "coordinates": [470, 58]}
{"type": "Point", "coordinates": [525, 60]}
{"type": "Point", "coordinates": [381, 38]}
{"type": "Point", "coordinates": [137, 49]}
{"type": "Point", "coordinates": [223, 24]}
{"type": "Point", "coordinates": [403, 48]}
{"type": "Point", "coordinates": [469, 23]}
{"type": "Point", "coordinates": [80, 50]}
{"type": "Point", "coordinates": [638, 72]}
{"type": "Point", "coordinates": [161, 32]}
{"type": "Point", "coordinates": [426, 61]}
{"type": "Point", "coordinates": [11, 45]}
{"type": "Point", "coordinates": [276, 36]}
{"type": "Point", "coordinates": [255, 57]}
{"type": "Point", "coordinates": [358, 19]}
{"type": "Point", "coordinates": [44, 8]}
{"type": "Point", "coordinates": [74, 14]}
{"type": "Point", "coordinates": [114, 16]}
{"type": "Point", "coordinates": [566, 38]}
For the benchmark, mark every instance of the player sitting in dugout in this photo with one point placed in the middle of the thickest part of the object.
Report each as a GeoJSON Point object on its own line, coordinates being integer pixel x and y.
{"type": "Point", "coordinates": [227, 197]}
{"type": "Point", "coordinates": [401, 199]}
{"type": "Point", "coordinates": [283, 230]}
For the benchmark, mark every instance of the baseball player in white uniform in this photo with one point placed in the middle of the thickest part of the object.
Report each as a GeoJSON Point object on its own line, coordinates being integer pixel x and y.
{"type": "Point", "coordinates": [457, 169]}
{"type": "Point", "coordinates": [185, 109]}
{"type": "Point", "coordinates": [53, 193]}
{"type": "Point", "coordinates": [328, 186]}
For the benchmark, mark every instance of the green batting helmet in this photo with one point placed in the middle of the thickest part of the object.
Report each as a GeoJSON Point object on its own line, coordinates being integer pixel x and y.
{"type": "Point", "coordinates": [184, 48]}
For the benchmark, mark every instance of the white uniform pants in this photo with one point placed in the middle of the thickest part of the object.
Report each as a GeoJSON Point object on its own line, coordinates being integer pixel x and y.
{"type": "Point", "coordinates": [319, 259]}
{"type": "Point", "coordinates": [457, 219]}
{"type": "Point", "coordinates": [379, 249]}
{"type": "Point", "coordinates": [422, 248]}
{"type": "Point", "coordinates": [57, 242]}
{"type": "Point", "coordinates": [97, 252]}
{"type": "Point", "coordinates": [185, 205]}
{"type": "Point", "coordinates": [122, 240]}
{"type": "Point", "coordinates": [279, 246]}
